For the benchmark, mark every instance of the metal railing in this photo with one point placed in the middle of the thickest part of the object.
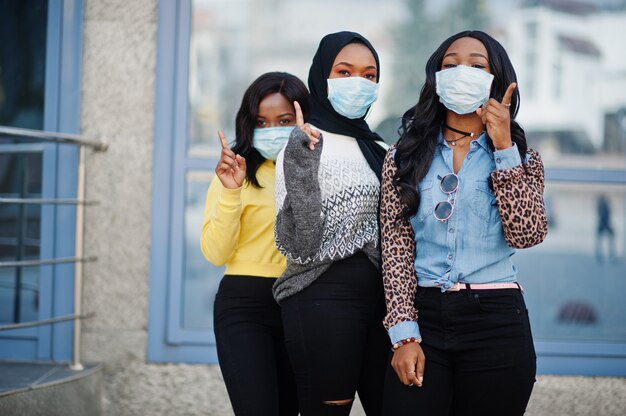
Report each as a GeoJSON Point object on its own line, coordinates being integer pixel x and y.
{"type": "Point", "coordinates": [53, 137]}
{"type": "Point", "coordinates": [78, 259]}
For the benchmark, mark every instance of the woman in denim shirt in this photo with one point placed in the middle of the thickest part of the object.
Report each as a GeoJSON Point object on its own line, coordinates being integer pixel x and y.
{"type": "Point", "coordinates": [460, 192]}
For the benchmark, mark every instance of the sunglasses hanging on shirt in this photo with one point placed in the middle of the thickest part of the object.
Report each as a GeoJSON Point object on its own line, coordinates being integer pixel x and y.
{"type": "Point", "coordinates": [448, 185]}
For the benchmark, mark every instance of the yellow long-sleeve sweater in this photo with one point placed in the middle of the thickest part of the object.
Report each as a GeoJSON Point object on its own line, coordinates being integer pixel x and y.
{"type": "Point", "coordinates": [238, 227]}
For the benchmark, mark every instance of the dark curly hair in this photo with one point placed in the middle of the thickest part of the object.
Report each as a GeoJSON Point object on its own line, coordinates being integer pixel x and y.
{"type": "Point", "coordinates": [422, 123]}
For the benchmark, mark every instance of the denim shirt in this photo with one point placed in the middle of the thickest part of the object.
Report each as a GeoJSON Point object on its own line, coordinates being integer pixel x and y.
{"type": "Point", "coordinates": [470, 246]}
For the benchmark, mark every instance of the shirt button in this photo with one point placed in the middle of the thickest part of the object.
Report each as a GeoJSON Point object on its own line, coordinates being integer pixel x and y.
{"type": "Point", "coordinates": [451, 230]}
{"type": "Point", "coordinates": [469, 157]}
{"type": "Point", "coordinates": [449, 256]}
{"type": "Point", "coordinates": [498, 160]}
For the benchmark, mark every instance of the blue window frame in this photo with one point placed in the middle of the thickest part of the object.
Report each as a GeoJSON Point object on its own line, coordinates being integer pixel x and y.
{"type": "Point", "coordinates": [564, 345]}
{"type": "Point", "coordinates": [174, 333]}
{"type": "Point", "coordinates": [61, 113]}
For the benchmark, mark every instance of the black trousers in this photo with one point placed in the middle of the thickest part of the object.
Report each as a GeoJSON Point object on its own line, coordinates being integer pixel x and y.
{"type": "Point", "coordinates": [335, 338]}
{"type": "Point", "coordinates": [251, 349]}
{"type": "Point", "coordinates": [480, 358]}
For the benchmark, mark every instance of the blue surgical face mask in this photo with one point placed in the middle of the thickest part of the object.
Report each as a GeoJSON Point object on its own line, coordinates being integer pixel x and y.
{"type": "Point", "coordinates": [463, 89]}
{"type": "Point", "coordinates": [352, 96]}
{"type": "Point", "coordinates": [269, 141]}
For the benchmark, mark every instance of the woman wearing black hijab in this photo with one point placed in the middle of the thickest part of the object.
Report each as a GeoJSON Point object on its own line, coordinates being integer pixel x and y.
{"type": "Point", "coordinates": [327, 192]}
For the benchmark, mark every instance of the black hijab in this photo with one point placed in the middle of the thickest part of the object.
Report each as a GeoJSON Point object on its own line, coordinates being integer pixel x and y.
{"type": "Point", "coordinates": [324, 116]}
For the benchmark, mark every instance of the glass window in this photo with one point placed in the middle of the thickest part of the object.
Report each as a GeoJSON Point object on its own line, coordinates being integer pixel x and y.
{"type": "Point", "coordinates": [40, 58]}
{"type": "Point", "coordinates": [23, 26]}
{"type": "Point", "coordinates": [20, 177]}
{"type": "Point", "coordinates": [571, 278]}
{"type": "Point", "coordinates": [580, 132]}
{"type": "Point", "coordinates": [201, 279]}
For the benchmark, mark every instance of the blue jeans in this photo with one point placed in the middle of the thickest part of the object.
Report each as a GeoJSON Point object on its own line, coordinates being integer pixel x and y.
{"type": "Point", "coordinates": [480, 358]}
{"type": "Point", "coordinates": [251, 349]}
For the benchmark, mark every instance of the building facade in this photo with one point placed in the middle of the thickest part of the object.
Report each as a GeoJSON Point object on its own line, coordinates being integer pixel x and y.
{"type": "Point", "coordinates": [154, 81]}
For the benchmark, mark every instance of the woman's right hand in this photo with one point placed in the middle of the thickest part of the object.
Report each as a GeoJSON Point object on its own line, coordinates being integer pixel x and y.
{"type": "Point", "coordinates": [408, 362]}
{"type": "Point", "coordinates": [314, 135]}
{"type": "Point", "coordinates": [231, 168]}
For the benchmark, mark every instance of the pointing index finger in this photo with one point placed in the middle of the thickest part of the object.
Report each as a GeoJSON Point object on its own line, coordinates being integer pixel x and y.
{"type": "Point", "coordinates": [299, 116]}
{"type": "Point", "coordinates": [223, 140]}
{"type": "Point", "coordinates": [506, 100]}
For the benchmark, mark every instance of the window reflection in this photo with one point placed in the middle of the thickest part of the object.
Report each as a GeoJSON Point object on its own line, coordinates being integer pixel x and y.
{"type": "Point", "coordinates": [201, 278]}
{"type": "Point", "coordinates": [23, 26]}
{"type": "Point", "coordinates": [233, 42]}
{"type": "Point", "coordinates": [20, 177]}
{"type": "Point", "coordinates": [572, 81]}
{"type": "Point", "coordinates": [572, 277]}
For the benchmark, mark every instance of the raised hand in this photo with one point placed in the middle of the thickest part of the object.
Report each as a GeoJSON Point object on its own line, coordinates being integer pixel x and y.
{"type": "Point", "coordinates": [497, 117]}
{"type": "Point", "coordinates": [231, 168]}
{"type": "Point", "coordinates": [306, 127]}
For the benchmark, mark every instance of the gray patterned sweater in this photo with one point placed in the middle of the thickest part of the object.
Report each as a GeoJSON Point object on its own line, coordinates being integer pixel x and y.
{"type": "Point", "coordinates": [327, 208]}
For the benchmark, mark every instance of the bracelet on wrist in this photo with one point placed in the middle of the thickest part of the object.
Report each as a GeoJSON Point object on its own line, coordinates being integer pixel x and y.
{"type": "Point", "coordinates": [402, 342]}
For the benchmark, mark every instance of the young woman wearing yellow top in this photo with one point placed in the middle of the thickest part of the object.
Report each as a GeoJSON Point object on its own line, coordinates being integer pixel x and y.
{"type": "Point", "coordinates": [238, 231]}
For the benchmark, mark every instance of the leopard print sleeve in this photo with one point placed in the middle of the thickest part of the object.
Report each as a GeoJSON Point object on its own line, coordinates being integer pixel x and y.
{"type": "Point", "coordinates": [398, 251]}
{"type": "Point", "coordinates": [519, 194]}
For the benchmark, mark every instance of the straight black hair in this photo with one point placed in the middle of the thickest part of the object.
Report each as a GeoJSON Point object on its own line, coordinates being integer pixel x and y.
{"type": "Point", "coordinates": [291, 87]}
{"type": "Point", "coordinates": [422, 123]}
